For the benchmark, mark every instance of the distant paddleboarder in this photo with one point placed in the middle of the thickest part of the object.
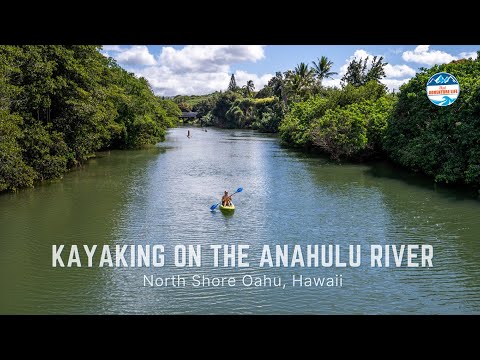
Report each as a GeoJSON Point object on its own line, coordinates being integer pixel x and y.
{"type": "Point", "coordinates": [188, 134]}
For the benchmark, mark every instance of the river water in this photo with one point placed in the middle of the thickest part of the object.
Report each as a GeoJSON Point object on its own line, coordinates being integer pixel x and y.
{"type": "Point", "coordinates": [162, 196]}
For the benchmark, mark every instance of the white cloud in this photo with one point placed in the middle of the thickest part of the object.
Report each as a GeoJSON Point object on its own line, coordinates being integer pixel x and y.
{"type": "Point", "coordinates": [209, 58]}
{"type": "Point", "coordinates": [166, 82]}
{"type": "Point", "coordinates": [242, 77]}
{"type": "Point", "coordinates": [423, 55]}
{"type": "Point", "coordinates": [394, 84]}
{"type": "Point", "coordinates": [135, 55]}
{"type": "Point", "coordinates": [399, 71]}
{"type": "Point", "coordinates": [358, 54]}
{"type": "Point", "coordinates": [395, 75]}
{"type": "Point", "coordinates": [201, 69]}
{"type": "Point", "coordinates": [331, 82]}
{"type": "Point", "coordinates": [468, 55]}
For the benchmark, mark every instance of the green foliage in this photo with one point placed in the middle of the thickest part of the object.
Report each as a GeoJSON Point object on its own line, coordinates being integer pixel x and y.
{"type": "Point", "coordinates": [360, 72]}
{"type": "Point", "coordinates": [184, 106]}
{"type": "Point", "coordinates": [277, 84]}
{"type": "Point", "coordinates": [206, 105]}
{"type": "Point", "coordinates": [193, 101]}
{"type": "Point", "coordinates": [248, 88]}
{"type": "Point", "coordinates": [439, 141]}
{"type": "Point", "coordinates": [265, 92]}
{"type": "Point", "coordinates": [45, 151]}
{"type": "Point", "coordinates": [298, 84]}
{"type": "Point", "coordinates": [234, 111]}
{"type": "Point", "coordinates": [172, 112]}
{"type": "Point", "coordinates": [222, 106]}
{"type": "Point", "coordinates": [322, 69]}
{"type": "Point", "coordinates": [232, 86]}
{"type": "Point", "coordinates": [295, 128]}
{"type": "Point", "coordinates": [269, 112]}
{"type": "Point", "coordinates": [14, 173]}
{"type": "Point", "coordinates": [60, 104]}
{"type": "Point", "coordinates": [354, 131]}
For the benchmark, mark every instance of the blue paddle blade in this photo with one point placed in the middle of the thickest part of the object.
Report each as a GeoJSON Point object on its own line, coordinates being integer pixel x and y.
{"type": "Point", "coordinates": [239, 190]}
{"type": "Point", "coordinates": [213, 207]}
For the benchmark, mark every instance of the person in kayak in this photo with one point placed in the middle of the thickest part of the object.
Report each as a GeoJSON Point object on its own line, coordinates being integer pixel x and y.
{"type": "Point", "coordinates": [226, 200]}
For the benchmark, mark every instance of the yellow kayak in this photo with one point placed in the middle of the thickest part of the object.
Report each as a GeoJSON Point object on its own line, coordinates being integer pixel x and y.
{"type": "Point", "coordinates": [227, 208]}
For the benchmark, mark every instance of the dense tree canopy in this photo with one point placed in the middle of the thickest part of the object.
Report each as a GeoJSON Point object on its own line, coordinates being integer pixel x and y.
{"type": "Point", "coordinates": [60, 104]}
{"type": "Point", "coordinates": [361, 71]}
{"type": "Point", "coordinates": [442, 142]}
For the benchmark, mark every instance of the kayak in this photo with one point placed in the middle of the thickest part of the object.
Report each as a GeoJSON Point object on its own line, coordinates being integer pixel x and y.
{"type": "Point", "coordinates": [227, 208]}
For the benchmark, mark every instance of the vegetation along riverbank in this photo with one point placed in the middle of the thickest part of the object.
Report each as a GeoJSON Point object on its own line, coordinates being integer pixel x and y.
{"type": "Point", "coordinates": [361, 120]}
{"type": "Point", "coordinates": [61, 104]}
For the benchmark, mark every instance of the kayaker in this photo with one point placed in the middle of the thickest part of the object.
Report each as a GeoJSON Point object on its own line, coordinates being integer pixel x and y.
{"type": "Point", "coordinates": [226, 200]}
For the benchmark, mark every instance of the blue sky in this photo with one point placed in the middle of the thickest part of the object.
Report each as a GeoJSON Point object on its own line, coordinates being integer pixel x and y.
{"type": "Point", "coordinates": [201, 69]}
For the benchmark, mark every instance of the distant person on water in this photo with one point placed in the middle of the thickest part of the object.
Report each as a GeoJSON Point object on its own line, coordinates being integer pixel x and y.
{"type": "Point", "coordinates": [188, 134]}
{"type": "Point", "coordinates": [226, 200]}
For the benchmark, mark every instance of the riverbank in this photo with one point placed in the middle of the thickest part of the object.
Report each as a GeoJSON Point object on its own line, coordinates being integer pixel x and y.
{"type": "Point", "coordinates": [361, 120]}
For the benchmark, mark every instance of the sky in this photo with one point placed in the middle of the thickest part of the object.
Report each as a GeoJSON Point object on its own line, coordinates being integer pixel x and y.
{"type": "Point", "coordinates": [202, 69]}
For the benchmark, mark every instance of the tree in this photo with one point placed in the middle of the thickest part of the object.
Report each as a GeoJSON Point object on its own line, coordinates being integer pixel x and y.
{"type": "Point", "coordinates": [61, 104]}
{"type": "Point", "coordinates": [304, 72]}
{"type": "Point", "coordinates": [354, 131]}
{"type": "Point", "coordinates": [297, 124]}
{"type": "Point", "coordinates": [360, 71]}
{"type": "Point", "coordinates": [442, 142]}
{"type": "Point", "coordinates": [248, 89]}
{"type": "Point", "coordinates": [299, 82]}
{"type": "Point", "coordinates": [322, 69]}
{"type": "Point", "coordinates": [184, 106]}
{"type": "Point", "coordinates": [222, 105]}
{"type": "Point", "coordinates": [265, 92]}
{"type": "Point", "coordinates": [172, 110]}
{"type": "Point", "coordinates": [277, 83]}
{"type": "Point", "coordinates": [377, 70]}
{"type": "Point", "coordinates": [233, 84]}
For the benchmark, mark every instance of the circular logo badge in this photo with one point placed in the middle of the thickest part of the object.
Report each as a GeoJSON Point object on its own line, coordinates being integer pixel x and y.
{"type": "Point", "coordinates": [443, 89]}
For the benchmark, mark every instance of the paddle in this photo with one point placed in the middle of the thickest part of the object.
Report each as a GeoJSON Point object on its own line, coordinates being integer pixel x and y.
{"type": "Point", "coordinates": [213, 207]}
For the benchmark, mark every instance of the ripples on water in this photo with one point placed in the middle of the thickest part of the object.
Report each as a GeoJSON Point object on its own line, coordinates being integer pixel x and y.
{"type": "Point", "coordinates": [162, 196]}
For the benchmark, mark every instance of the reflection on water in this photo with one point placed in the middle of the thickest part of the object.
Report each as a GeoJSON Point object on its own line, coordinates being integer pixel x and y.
{"type": "Point", "coordinates": [163, 195]}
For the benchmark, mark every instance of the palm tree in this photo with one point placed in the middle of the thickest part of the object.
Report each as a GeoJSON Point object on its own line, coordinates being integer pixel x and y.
{"type": "Point", "coordinates": [294, 86]}
{"type": "Point", "coordinates": [304, 72]}
{"type": "Point", "coordinates": [300, 80]}
{"type": "Point", "coordinates": [248, 88]}
{"type": "Point", "coordinates": [322, 69]}
{"type": "Point", "coordinates": [277, 83]}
